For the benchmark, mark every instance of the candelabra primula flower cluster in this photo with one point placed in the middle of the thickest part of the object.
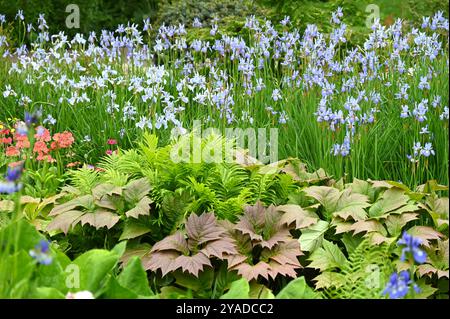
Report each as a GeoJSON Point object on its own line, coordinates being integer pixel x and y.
{"type": "Point", "coordinates": [16, 143]}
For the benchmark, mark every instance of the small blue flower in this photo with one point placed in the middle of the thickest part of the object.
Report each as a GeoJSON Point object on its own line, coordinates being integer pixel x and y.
{"type": "Point", "coordinates": [412, 247]}
{"type": "Point", "coordinates": [399, 285]}
{"type": "Point", "coordinates": [13, 174]}
{"type": "Point", "coordinates": [33, 118]}
{"type": "Point", "coordinates": [41, 253]}
{"type": "Point", "coordinates": [424, 130]}
{"type": "Point", "coordinates": [427, 150]}
{"type": "Point", "coordinates": [9, 187]}
{"type": "Point", "coordinates": [405, 112]}
{"type": "Point", "coordinates": [424, 83]}
{"type": "Point", "coordinates": [276, 95]}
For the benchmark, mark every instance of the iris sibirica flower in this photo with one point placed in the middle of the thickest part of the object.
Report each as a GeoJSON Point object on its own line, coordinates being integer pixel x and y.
{"type": "Point", "coordinates": [8, 188]}
{"type": "Point", "coordinates": [444, 114]}
{"type": "Point", "coordinates": [33, 118]}
{"type": "Point", "coordinates": [399, 285]}
{"type": "Point", "coordinates": [41, 253]}
{"type": "Point", "coordinates": [11, 183]}
{"type": "Point", "coordinates": [412, 248]}
{"type": "Point", "coordinates": [427, 150]}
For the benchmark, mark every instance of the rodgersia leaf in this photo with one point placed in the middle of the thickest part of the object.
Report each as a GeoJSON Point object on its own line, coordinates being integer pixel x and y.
{"type": "Point", "coordinates": [311, 237]}
{"type": "Point", "coordinates": [163, 260]}
{"type": "Point", "coordinates": [174, 242]}
{"type": "Point", "coordinates": [351, 205]}
{"type": "Point", "coordinates": [368, 226]}
{"type": "Point", "coordinates": [203, 228]}
{"type": "Point", "coordinates": [261, 228]}
{"type": "Point", "coordinates": [141, 208]}
{"type": "Point", "coordinates": [327, 196]}
{"type": "Point", "coordinates": [64, 221]}
{"type": "Point", "coordinates": [296, 214]}
{"type": "Point", "coordinates": [100, 218]}
{"type": "Point", "coordinates": [286, 270]}
{"type": "Point", "coordinates": [86, 201]}
{"type": "Point", "coordinates": [425, 233]}
{"type": "Point", "coordinates": [250, 272]}
{"type": "Point", "coordinates": [192, 264]}
{"type": "Point", "coordinates": [392, 199]}
{"type": "Point", "coordinates": [133, 229]}
{"type": "Point", "coordinates": [284, 254]}
{"type": "Point", "coordinates": [328, 257]}
{"type": "Point", "coordinates": [190, 251]}
{"type": "Point", "coordinates": [360, 186]}
{"type": "Point", "coordinates": [106, 189]}
{"type": "Point", "coordinates": [252, 222]}
{"type": "Point", "coordinates": [263, 225]}
{"type": "Point", "coordinates": [218, 248]}
{"type": "Point", "coordinates": [395, 223]}
{"type": "Point", "coordinates": [437, 261]}
{"type": "Point", "coordinates": [136, 190]}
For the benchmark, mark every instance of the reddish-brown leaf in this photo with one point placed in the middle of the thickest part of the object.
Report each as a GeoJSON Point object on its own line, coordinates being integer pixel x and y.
{"type": "Point", "coordinates": [106, 202]}
{"type": "Point", "coordinates": [285, 253]}
{"type": "Point", "coordinates": [281, 235]}
{"type": "Point", "coordinates": [85, 201]}
{"type": "Point", "coordinates": [163, 260]}
{"type": "Point", "coordinates": [342, 227]}
{"type": "Point", "coordinates": [281, 269]}
{"type": "Point", "coordinates": [251, 272]}
{"type": "Point", "coordinates": [252, 221]}
{"type": "Point", "coordinates": [219, 248]}
{"type": "Point", "coordinates": [234, 260]}
{"type": "Point", "coordinates": [192, 264]}
{"type": "Point", "coordinates": [175, 242]}
{"type": "Point", "coordinates": [202, 229]}
{"type": "Point", "coordinates": [377, 239]}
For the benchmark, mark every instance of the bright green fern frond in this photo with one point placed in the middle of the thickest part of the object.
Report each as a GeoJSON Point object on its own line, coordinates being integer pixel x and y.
{"type": "Point", "coordinates": [114, 177]}
{"type": "Point", "coordinates": [261, 186]}
{"type": "Point", "coordinates": [228, 181]}
{"type": "Point", "coordinates": [84, 179]}
{"type": "Point", "coordinates": [364, 275]}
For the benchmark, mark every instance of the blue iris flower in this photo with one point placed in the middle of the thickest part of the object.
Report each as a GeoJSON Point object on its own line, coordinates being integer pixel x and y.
{"type": "Point", "coordinates": [32, 118]}
{"type": "Point", "coordinates": [41, 253]}
{"type": "Point", "coordinates": [412, 247]}
{"type": "Point", "coordinates": [12, 176]}
{"type": "Point", "coordinates": [399, 285]}
{"type": "Point", "coordinates": [13, 173]}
